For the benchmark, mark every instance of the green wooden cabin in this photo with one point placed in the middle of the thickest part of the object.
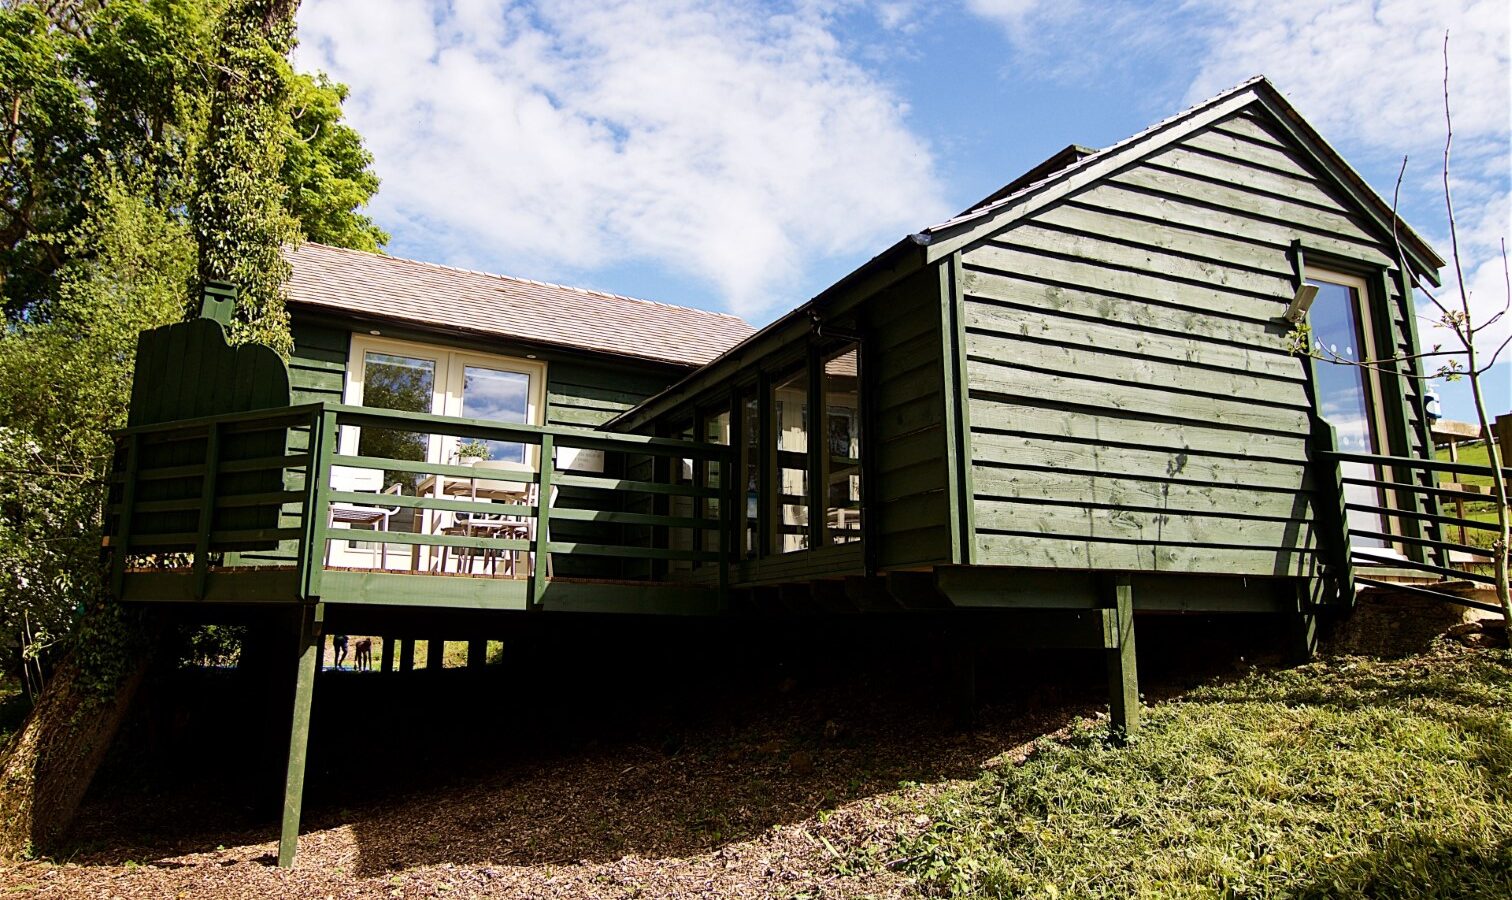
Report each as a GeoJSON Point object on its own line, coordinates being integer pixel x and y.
{"type": "Point", "coordinates": [1071, 403]}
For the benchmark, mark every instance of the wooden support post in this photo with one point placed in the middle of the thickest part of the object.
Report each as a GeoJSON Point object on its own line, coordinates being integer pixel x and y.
{"type": "Point", "coordinates": [1118, 646]}
{"type": "Point", "coordinates": [1302, 628]}
{"type": "Point", "coordinates": [386, 655]}
{"type": "Point", "coordinates": [320, 653]}
{"type": "Point", "coordinates": [407, 655]}
{"type": "Point", "coordinates": [310, 640]}
{"type": "Point", "coordinates": [435, 654]}
{"type": "Point", "coordinates": [477, 653]}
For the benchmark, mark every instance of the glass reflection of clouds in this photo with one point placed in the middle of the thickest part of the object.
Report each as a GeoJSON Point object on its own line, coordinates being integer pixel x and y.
{"type": "Point", "coordinates": [1342, 395]}
{"type": "Point", "coordinates": [500, 396]}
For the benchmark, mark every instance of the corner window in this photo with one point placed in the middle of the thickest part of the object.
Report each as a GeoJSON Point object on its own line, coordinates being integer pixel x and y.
{"type": "Point", "coordinates": [420, 378]}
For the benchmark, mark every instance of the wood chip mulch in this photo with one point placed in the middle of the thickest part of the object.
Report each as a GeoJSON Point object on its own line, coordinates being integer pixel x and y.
{"type": "Point", "coordinates": [795, 795]}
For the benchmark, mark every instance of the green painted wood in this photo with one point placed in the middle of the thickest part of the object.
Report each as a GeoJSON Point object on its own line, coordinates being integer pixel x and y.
{"type": "Point", "coordinates": [241, 586]}
{"type": "Point", "coordinates": [1111, 251]}
{"type": "Point", "coordinates": [1041, 551]}
{"type": "Point", "coordinates": [997, 379]}
{"type": "Point", "coordinates": [1124, 523]}
{"type": "Point", "coordinates": [299, 737]}
{"type": "Point", "coordinates": [1086, 222]}
{"type": "Point", "coordinates": [1122, 662]}
{"type": "Point", "coordinates": [1149, 286]}
{"type": "Point", "coordinates": [954, 400]}
{"type": "Point", "coordinates": [1173, 437]}
{"type": "Point", "coordinates": [324, 435]}
{"type": "Point", "coordinates": [1150, 494]}
{"type": "Point", "coordinates": [1250, 129]}
{"type": "Point", "coordinates": [541, 547]}
{"type": "Point", "coordinates": [1050, 313]}
{"type": "Point", "coordinates": [206, 509]}
{"type": "Point", "coordinates": [1176, 184]}
{"type": "Point", "coordinates": [1269, 155]}
{"type": "Point", "coordinates": [1013, 451]}
{"type": "Point", "coordinates": [1096, 361]}
{"type": "Point", "coordinates": [1191, 160]}
{"type": "Point", "coordinates": [1177, 211]}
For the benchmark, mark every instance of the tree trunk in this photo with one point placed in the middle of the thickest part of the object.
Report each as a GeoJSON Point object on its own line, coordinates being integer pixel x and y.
{"type": "Point", "coordinates": [51, 760]}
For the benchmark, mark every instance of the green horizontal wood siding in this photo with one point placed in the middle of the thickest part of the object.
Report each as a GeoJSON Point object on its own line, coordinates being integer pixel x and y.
{"type": "Point", "coordinates": [1131, 403]}
{"type": "Point", "coordinates": [907, 491]}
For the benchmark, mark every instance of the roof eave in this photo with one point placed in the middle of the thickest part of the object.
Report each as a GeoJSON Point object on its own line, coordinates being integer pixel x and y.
{"type": "Point", "coordinates": [897, 261]}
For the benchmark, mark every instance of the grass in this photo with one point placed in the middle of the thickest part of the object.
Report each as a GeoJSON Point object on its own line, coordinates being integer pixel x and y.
{"type": "Point", "coordinates": [1349, 778]}
{"type": "Point", "coordinates": [1478, 510]}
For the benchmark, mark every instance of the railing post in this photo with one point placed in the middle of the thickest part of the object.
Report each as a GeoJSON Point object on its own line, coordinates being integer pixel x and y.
{"type": "Point", "coordinates": [540, 565]}
{"type": "Point", "coordinates": [1333, 518]}
{"type": "Point", "coordinates": [206, 510]}
{"type": "Point", "coordinates": [323, 432]}
{"type": "Point", "coordinates": [121, 546]}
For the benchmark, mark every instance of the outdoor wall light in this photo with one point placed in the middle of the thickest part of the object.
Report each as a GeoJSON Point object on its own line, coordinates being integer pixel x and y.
{"type": "Point", "coordinates": [1301, 302]}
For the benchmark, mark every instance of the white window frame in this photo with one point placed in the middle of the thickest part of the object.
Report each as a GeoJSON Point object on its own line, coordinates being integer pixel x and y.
{"type": "Point", "coordinates": [451, 364]}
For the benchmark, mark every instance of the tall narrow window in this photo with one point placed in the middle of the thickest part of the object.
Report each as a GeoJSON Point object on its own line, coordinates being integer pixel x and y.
{"type": "Point", "coordinates": [716, 430]}
{"type": "Point", "coordinates": [1348, 395]}
{"type": "Point", "coordinates": [841, 459]}
{"type": "Point", "coordinates": [791, 426]}
{"type": "Point", "coordinates": [750, 467]}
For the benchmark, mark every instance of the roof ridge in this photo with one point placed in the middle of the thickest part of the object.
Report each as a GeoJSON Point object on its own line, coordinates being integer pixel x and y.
{"type": "Point", "coordinates": [519, 280]}
{"type": "Point", "coordinates": [1098, 155]}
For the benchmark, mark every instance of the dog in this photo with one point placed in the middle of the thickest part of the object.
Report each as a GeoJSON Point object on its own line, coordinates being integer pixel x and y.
{"type": "Point", "coordinates": [364, 659]}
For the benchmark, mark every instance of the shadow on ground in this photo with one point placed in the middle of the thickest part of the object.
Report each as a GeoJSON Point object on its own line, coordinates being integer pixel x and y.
{"type": "Point", "coordinates": [618, 743]}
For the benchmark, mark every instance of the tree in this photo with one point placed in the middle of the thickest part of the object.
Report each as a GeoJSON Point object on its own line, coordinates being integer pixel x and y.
{"type": "Point", "coordinates": [240, 220]}
{"type": "Point", "coordinates": [112, 131]}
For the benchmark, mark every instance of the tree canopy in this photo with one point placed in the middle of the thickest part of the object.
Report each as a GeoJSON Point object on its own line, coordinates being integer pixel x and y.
{"type": "Point", "coordinates": [118, 168]}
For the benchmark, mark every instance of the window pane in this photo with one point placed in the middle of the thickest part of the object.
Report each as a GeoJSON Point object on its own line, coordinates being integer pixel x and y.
{"type": "Point", "coordinates": [402, 383]}
{"type": "Point", "coordinates": [842, 461]}
{"type": "Point", "coordinates": [750, 464]}
{"type": "Point", "coordinates": [790, 421]}
{"type": "Point", "coordinates": [1343, 396]}
{"type": "Point", "coordinates": [500, 396]}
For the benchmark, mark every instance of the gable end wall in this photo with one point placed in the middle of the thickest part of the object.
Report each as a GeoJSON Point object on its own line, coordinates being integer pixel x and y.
{"type": "Point", "coordinates": [1131, 403]}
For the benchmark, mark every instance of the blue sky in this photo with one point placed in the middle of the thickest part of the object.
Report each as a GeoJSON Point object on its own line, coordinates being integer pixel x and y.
{"type": "Point", "coordinates": [740, 155]}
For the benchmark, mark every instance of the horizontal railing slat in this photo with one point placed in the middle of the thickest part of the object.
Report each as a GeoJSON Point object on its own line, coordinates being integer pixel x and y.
{"type": "Point", "coordinates": [623, 484]}
{"type": "Point", "coordinates": [1421, 542]}
{"type": "Point", "coordinates": [1427, 517]}
{"type": "Point", "coordinates": [1399, 486]}
{"type": "Point", "coordinates": [406, 501]}
{"type": "Point", "coordinates": [575, 438]}
{"type": "Point", "coordinates": [1426, 567]}
{"type": "Point", "coordinates": [1431, 465]}
{"type": "Point", "coordinates": [460, 473]}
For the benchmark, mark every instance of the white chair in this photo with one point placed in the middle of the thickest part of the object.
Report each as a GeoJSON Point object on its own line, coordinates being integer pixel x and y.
{"type": "Point", "coordinates": [354, 480]}
{"type": "Point", "coordinates": [485, 492]}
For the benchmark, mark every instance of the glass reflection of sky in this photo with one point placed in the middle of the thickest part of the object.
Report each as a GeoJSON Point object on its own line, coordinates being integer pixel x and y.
{"type": "Point", "coordinates": [1342, 399]}
{"type": "Point", "coordinates": [501, 397]}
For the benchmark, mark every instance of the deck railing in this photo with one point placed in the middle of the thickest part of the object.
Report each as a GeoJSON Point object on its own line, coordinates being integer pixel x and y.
{"type": "Point", "coordinates": [1411, 517]}
{"type": "Point", "coordinates": [254, 491]}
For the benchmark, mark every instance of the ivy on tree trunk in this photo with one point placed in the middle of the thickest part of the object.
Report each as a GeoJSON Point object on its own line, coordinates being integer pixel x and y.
{"type": "Point", "coordinates": [241, 222]}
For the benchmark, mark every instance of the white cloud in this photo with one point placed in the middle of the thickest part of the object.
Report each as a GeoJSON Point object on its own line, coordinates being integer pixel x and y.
{"type": "Point", "coordinates": [722, 141]}
{"type": "Point", "coordinates": [1369, 75]}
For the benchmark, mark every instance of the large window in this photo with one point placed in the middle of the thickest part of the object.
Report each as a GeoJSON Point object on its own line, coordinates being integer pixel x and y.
{"type": "Point", "coordinates": [420, 378]}
{"type": "Point", "coordinates": [1348, 394]}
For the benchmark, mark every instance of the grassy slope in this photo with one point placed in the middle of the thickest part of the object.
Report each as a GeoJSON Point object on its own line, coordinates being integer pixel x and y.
{"type": "Point", "coordinates": [1481, 511]}
{"type": "Point", "coordinates": [1341, 779]}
